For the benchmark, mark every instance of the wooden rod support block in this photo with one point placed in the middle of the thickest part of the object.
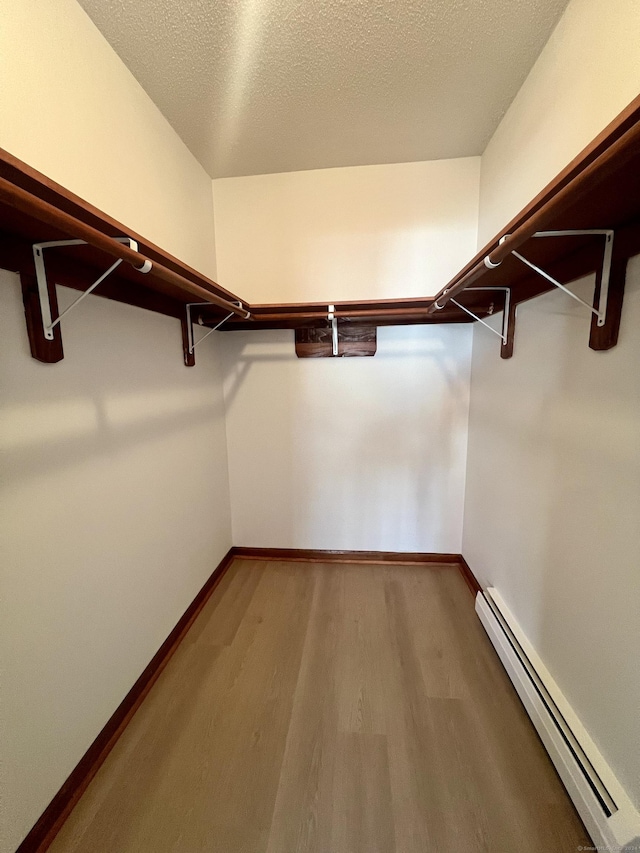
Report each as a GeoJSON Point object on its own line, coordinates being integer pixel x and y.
{"type": "Point", "coordinates": [605, 337]}
{"type": "Point", "coordinates": [353, 341]}
{"type": "Point", "coordinates": [42, 349]}
{"type": "Point", "coordinates": [189, 357]}
{"type": "Point", "coordinates": [506, 348]}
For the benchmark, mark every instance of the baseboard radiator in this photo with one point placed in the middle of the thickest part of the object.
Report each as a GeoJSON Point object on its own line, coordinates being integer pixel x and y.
{"type": "Point", "coordinates": [607, 812]}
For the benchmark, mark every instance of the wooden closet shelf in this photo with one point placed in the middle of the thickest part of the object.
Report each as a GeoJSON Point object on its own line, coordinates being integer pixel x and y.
{"type": "Point", "coordinates": [599, 189]}
{"type": "Point", "coordinates": [34, 209]}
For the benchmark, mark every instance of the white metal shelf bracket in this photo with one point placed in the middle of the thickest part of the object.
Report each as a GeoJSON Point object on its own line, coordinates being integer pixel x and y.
{"type": "Point", "coordinates": [601, 311]}
{"type": "Point", "coordinates": [333, 321]}
{"type": "Point", "coordinates": [191, 342]}
{"type": "Point", "coordinates": [505, 315]}
{"type": "Point", "coordinates": [48, 323]}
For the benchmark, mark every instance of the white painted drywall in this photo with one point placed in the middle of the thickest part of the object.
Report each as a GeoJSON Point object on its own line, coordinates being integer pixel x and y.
{"type": "Point", "coordinates": [71, 109]}
{"type": "Point", "coordinates": [553, 473]}
{"type": "Point", "coordinates": [114, 475]}
{"type": "Point", "coordinates": [587, 73]}
{"type": "Point", "coordinates": [367, 232]}
{"type": "Point", "coordinates": [114, 512]}
{"type": "Point", "coordinates": [553, 501]}
{"type": "Point", "coordinates": [348, 453]}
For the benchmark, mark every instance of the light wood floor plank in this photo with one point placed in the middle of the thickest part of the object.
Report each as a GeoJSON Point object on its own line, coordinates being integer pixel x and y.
{"type": "Point", "coordinates": [325, 708]}
{"type": "Point", "coordinates": [362, 813]}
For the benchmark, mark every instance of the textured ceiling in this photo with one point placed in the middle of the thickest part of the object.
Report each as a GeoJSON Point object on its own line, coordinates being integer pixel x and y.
{"type": "Point", "coordinates": [256, 86]}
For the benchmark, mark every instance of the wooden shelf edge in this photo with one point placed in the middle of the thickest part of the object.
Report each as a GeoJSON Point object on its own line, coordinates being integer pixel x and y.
{"type": "Point", "coordinates": [25, 177]}
{"type": "Point", "coordinates": [163, 292]}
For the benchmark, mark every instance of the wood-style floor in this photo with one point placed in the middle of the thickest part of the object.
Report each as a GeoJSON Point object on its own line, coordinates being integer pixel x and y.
{"type": "Point", "coordinates": [334, 709]}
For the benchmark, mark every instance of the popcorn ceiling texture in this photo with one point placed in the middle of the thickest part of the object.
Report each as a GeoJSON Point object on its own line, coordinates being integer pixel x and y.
{"type": "Point", "coordinates": [257, 86]}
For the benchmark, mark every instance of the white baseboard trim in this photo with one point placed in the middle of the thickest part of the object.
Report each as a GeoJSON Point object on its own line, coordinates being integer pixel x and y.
{"type": "Point", "coordinates": [607, 812]}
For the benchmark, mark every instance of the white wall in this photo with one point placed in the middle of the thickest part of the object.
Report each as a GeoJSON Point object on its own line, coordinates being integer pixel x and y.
{"type": "Point", "coordinates": [553, 500]}
{"type": "Point", "coordinates": [367, 232]}
{"type": "Point", "coordinates": [348, 453]}
{"type": "Point", "coordinates": [70, 108]}
{"type": "Point", "coordinates": [114, 512]}
{"type": "Point", "coordinates": [553, 473]}
{"type": "Point", "coordinates": [587, 73]}
{"type": "Point", "coordinates": [115, 503]}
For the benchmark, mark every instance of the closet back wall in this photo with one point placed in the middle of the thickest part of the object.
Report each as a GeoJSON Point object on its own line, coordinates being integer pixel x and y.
{"type": "Point", "coordinates": [114, 504]}
{"type": "Point", "coordinates": [355, 454]}
{"type": "Point", "coordinates": [363, 232]}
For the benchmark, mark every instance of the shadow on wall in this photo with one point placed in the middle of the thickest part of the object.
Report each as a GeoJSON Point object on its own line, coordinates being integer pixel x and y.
{"type": "Point", "coordinates": [114, 512]}
{"type": "Point", "coordinates": [349, 453]}
{"type": "Point", "coordinates": [554, 490]}
{"type": "Point", "coordinates": [592, 541]}
{"type": "Point", "coordinates": [114, 390]}
{"type": "Point", "coordinates": [381, 461]}
{"type": "Point", "coordinates": [259, 406]}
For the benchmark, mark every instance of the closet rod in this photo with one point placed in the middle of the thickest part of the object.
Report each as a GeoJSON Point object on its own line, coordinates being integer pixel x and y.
{"type": "Point", "coordinates": [272, 317]}
{"type": "Point", "coordinates": [25, 202]}
{"type": "Point", "coordinates": [611, 159]}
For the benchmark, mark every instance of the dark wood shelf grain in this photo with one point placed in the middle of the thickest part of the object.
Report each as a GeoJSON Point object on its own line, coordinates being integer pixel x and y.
{"type": "Point", "coordinates": [599, 189]}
